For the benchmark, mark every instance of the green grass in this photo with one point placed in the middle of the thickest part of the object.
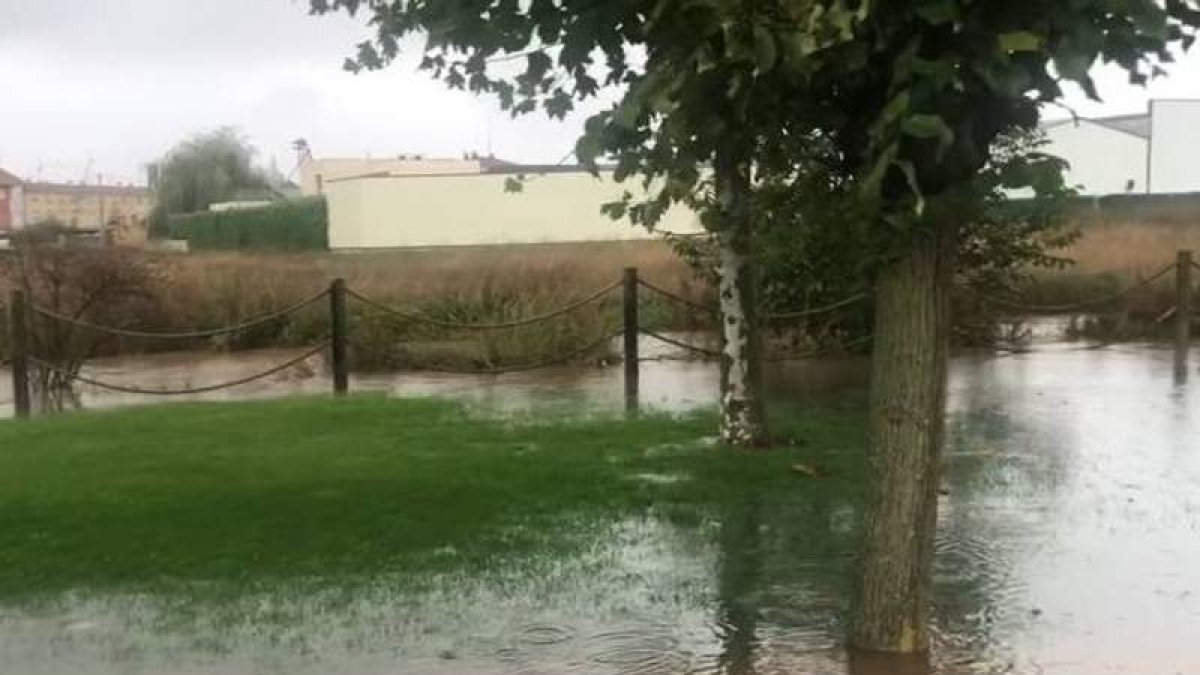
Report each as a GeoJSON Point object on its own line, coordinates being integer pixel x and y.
{"type": "Point", "coordinates": [329, 489]}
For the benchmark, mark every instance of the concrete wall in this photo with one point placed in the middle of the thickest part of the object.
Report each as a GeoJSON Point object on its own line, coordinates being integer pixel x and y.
{"type": "Point", "coordinates": [467, 210]}
{"type": "Point", "coordinates": [1175, 146]}
{"type": "Point", "coordinates": [1102, 160]}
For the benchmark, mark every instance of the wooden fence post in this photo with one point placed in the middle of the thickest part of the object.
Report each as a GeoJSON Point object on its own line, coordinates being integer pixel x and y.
{"type": "Point", "coordinates": [337, 338]}
{"type": "Point", "coordinates": [19, 347]}
{"type": "Point", "coordinates": [630, 306]}
{"type": "Point", "coordinates": [1183, 310]}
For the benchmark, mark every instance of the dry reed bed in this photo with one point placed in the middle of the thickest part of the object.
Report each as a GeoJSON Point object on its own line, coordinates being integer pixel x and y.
{"type": "Point", "coordinates": [469, 285]}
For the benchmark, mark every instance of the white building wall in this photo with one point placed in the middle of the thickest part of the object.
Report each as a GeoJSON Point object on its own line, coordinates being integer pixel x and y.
{"type": "Point", "coordinates": [470, 210]}
{"type": "Point", "coordinates": [1103, 160]}
{"type": "Point", "coordinates": [1175, 146]}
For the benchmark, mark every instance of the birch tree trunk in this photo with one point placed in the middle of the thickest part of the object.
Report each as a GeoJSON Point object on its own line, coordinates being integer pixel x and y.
{"type": "Point", "coordinates": [742, 419]}
{"type": "Point", "coordinates": [908, 397]}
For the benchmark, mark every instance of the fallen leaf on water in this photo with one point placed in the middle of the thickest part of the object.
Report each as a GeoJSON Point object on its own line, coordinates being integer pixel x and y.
{"type": "Point", "coordinates": [810, 470]}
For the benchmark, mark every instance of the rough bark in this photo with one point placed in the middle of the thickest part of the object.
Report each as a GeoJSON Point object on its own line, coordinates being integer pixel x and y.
{"type": "Point", "coordinates": [742, 419]}
{"type": "Point", "coordinates": [908, 396]}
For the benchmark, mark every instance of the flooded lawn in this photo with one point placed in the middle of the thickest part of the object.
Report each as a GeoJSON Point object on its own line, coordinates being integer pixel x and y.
{"type": "Point", "coordinates": [1069, 543]}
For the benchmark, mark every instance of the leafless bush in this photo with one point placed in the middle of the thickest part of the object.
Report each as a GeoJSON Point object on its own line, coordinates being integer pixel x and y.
{"type": "Point", "coordinates": [107, 286]}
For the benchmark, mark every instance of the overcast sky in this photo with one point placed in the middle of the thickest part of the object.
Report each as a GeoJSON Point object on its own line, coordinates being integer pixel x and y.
{"type": "Point", "coordinates": [115, 83]}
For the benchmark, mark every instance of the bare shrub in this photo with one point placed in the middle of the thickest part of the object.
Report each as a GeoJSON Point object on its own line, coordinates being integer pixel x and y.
{"type": "Point", "coordinates": [108, 286]}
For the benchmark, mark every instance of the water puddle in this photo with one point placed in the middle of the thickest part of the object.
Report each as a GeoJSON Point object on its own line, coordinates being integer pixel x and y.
{"type": "Point", "coordinates": [1069, 543]}
{"type": "Point", "coordinates": [669, 380]}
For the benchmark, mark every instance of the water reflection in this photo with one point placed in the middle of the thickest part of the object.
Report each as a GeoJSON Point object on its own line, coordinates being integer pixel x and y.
{"type": "Point", "coordinates": [1069, 543]}
{"type": "Point", "coordinates": [669, 381]}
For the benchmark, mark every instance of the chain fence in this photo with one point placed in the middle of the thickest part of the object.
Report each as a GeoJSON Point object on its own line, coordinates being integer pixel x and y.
{"type": "Point", "coordinates": [185, 391]}
{"type": "Point", "coordinates": [338, 343]}
{"type": "Point", "coordinates": [1066, 308]}
{"type": "Point", "coordinates": [255, 322]}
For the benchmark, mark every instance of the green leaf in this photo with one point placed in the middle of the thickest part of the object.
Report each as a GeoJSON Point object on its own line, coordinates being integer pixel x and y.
{"type": "Point", "coordinates": [628, 112]}
{"type": "Point", "coordinates": [1020, 41]}
{"type": "Point", "coordinates": [927, 126]}
{"type": "Point", "coordinates": [1074, 65]}
{"type": "Point", "coordinates": [910, 176]}
{"type": "Point", "coordinates": [892, 112]}
{"type": "Point", "coordinates": [514, 184]}
{"type": "Point", "coordinates": [615, 210]}
{"type": "Point", "coordinates": [937, 12]}
{"type": "Point", "coordinates": [801, 44]}
{"type": "Point", "coordinates": [765, 53]}
{"type": "Point", "coordinates": [589, 146]}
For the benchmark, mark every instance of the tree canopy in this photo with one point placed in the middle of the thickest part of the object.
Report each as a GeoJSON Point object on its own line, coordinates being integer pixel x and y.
{"type": "Point", "coordinates": [912, 94]}
{"type": "Point", "coordinates": [207, 168]}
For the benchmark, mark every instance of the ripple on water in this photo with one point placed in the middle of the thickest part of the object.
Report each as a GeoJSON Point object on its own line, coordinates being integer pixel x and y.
{"type": "Point", "coordinates": [641, 649]}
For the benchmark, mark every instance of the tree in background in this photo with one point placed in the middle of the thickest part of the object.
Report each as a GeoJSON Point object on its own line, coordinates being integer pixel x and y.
{"type": "Point", "coordinates": [207, 168]}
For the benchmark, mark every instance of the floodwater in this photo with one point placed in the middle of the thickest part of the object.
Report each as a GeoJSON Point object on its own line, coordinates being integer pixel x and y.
{"type": "Point", "coordinates": [1069, 543]}
{"type": "Point", "coordinates": [669, 381]}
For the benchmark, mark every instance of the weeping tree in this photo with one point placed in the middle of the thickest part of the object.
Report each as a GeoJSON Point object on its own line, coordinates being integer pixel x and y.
{"type": "Point", "coordinates": [912, 96]}
{"type": "Point", "coordinates": [207, 168]}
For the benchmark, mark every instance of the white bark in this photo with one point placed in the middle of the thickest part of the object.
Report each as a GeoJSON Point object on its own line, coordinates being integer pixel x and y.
{"type": "Point", "coordinates": [741, 418]}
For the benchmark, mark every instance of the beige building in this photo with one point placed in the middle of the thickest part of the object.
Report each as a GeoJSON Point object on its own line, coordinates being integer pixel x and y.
{"type": "Point", "coordinates": [85, 207]}
{"type": "Point", "coordinates": [116, 211]}
{"type": "Point", "coordinates": [556, 204]}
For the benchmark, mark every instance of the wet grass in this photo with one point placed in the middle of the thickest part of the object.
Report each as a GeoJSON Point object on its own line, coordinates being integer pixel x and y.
{"type": "Point", "coordinates": [321, 489]}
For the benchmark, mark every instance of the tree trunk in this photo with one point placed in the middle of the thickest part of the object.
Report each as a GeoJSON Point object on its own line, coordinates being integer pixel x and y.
{"type": "Point", "coordinates": [742, 419]}
{"type": "Point", "coordinates": [908, 396]}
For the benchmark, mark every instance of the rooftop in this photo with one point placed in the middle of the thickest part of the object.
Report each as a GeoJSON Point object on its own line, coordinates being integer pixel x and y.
{"type": "Point", "coordinates": [8, 179]}
{"type": "Point", "coordinates": [85, 189]}
{"type": "Point", "coordinates": [1138, 124]}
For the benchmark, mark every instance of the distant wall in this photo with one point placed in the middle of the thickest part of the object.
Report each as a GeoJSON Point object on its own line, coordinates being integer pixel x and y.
{"type": "Point", "coordinates": [1175, 144]}
{"type": "Point", "coordinates": [1102, 160]}
{"type": "Point", "coordinates": [1135, 232]}
{"type": "Point", "coordinates": [471, 210]}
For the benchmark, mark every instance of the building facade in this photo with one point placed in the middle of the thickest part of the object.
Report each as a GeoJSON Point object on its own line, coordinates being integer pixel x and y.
{"type": "Point", "coordinates": [117, 211]}
{"type": "Point", "coordinates": [90, 208]}
{"type": "Point", "coordinates": [1150, 153]}
{"type": "Point", "coordinates": [11, 211]}
{"type": "Point", "coordinates": [556, 204]}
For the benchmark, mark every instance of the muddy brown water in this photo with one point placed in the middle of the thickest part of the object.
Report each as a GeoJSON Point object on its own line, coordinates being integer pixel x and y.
{"type": "Point", "coordinates": [1069, 543]}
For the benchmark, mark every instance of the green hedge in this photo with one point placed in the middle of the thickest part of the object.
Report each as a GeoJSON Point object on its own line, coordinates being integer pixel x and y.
{"type": "Point", "coordinates": [292, 225]}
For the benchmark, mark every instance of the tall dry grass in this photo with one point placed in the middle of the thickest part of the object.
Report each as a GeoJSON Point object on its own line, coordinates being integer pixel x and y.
{"type": "Point", "coordinates": [1121, 244]}
{"type": "Point", "coordinates": [1133, 240]}
{"type": "Point", "coordinates": [467, 285]}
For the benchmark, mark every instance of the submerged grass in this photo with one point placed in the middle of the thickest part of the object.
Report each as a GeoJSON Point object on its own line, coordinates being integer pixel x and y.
{"type": "Point", "coordinates": [321, 489]}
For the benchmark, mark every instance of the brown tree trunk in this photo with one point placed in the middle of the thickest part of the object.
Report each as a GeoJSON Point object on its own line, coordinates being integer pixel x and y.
{"type": "Point", "coordinates": [908, 397]}
{"type": "Point", "coordinates": [742, 419]}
